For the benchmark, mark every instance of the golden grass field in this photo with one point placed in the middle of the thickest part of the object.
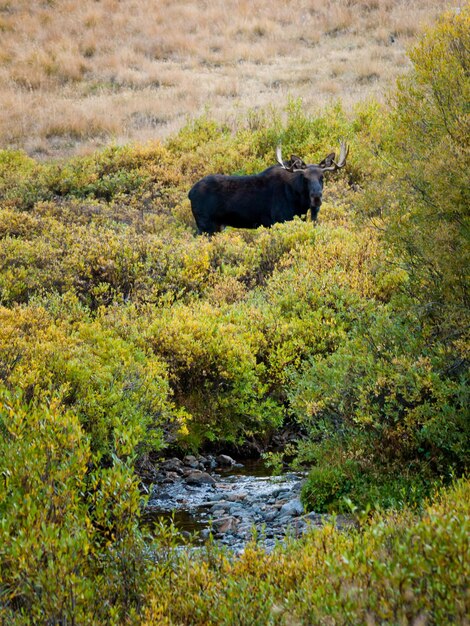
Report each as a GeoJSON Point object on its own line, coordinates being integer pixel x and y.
{"type": "Point", "coordinates": [78, 75]}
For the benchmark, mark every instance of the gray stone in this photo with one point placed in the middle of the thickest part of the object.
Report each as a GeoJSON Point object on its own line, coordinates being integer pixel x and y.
{"type": "Point", "coordinates": [170, 478]}
{"type": "Point", "coordinates": [191, 461]}
{"type": "Point", "coordinates": [235, 506]}
{"type": "Point", "coordinates": [211, 462]}
{"type": "Point", "coordinates": [237, 497]}
{"type": "Point", "coordinates": [225, 461]}
{"type": "Point", "coordinates": [172, 465]}
{"type": "Point", "coordinates": [313, 517]}
{"type": "Point", "coordinates": [270, 515]}
{"type": "Point", "coordinates": [293, 508]}
{"type": "Point", "coordinates": [196, 477]}
{"type": "Point", "coordinates": [221, 505]}
{"type": "Point", "coordinates": [224, 525]}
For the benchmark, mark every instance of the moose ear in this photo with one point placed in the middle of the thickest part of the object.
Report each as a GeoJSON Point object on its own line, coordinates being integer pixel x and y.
{"type": "Point", "coordinates": [327, 161]}
{"type": "Point", "coordinates": [296, 162]}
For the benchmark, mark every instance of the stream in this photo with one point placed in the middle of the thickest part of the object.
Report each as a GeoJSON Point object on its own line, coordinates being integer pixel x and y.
{"type": "Point", "coordinates": [204, 495]}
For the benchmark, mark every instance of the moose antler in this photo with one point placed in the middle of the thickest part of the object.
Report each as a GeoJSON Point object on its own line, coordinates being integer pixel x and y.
{"type": "Point", "coordinates": [343, 155]}
{"type": "Point", "coordinates": [294, 165]}
{"type": "Point", "coordinates": [279, 157]}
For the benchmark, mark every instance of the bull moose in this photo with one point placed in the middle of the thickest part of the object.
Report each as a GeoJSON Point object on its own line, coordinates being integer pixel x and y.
{"type": "Point", "coordinates": [275, 195]}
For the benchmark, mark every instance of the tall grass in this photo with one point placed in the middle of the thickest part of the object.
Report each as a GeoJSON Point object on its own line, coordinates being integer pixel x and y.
{"type": "Point", "coordinates": [77, 75]}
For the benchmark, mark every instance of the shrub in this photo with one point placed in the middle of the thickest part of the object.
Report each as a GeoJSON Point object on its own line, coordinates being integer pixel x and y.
{"type": "Point", "coordinates": [324, 487]}
{"type": "Point", "coordinates": [214, 372]}
{"type": "Point", "coordinates": [428, 224]}
{"type": "Point", "coordinates": [383, 399]}
{"type": "Point", "coordinates": [119, 393]}
{"type": "Point", "coordinates": [71, 550]}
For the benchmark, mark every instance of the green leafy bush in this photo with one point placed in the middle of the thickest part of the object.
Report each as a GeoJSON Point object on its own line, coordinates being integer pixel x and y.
{"type": "Point", "coordinates": [214, 371]}
{"type": "Point", "coordinates": [120, 394]}
{"type": "Point", "coordinates": [393, 397]}
{"type": "Point", "coordinates": [71, 550]}
{"type": "Point", "coordinates": [383, 399]}
{"type": "Point", "coordinates": [426, 210]}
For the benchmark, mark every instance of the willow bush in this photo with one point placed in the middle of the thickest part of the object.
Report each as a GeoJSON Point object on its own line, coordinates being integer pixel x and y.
{"type": "Point", "coordinates": [120, 394]}
{"type": "Point", "coordinates": [71, 550]}
{"type": "Point", "coordinates": [394, 397]}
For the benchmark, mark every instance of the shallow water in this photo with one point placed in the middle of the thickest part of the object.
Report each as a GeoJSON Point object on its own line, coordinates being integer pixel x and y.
{"type": "Point", "coordinates": [244, 491]}
{"type": "Point", "coordinates": [184, 521]}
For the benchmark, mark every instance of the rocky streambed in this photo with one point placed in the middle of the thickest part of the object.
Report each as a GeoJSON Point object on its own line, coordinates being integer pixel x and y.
{"type": "Point", "coordinates": [217, 495]}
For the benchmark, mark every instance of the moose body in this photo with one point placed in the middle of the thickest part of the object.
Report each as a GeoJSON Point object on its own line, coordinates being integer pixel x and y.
{"type": "Point", "coordinates": [277, 194]}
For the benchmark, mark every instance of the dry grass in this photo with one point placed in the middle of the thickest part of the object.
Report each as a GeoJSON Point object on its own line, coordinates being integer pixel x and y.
{"type": "Point", "coordinates": [76, 75]}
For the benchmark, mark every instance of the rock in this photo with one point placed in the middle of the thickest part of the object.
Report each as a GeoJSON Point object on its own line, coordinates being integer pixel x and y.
{"type": "Point", "coordinates": [270, 515]}
{"type": "Point", "coordinates": [172, 465]}
{"type": "Point", "coordinates": [215, 499]}
{"type": "Point", "coordinates": [224, 525]}
{"type": "Point", "coordinates": [236, 497]}
{"type": "Point", "coordinates": [211, 462]}
{"type": "Point", "coordinates": [172, 476]}
{"type": "Point", "coordinates": [218, 505]}
{"type": "Point", "coordinates": [293, 508]}
{"type": "Point", "coordinates": [244, 530]}
{"type": "Point", "coordinates": [234, 506]}
{"type": "Point", "coordinates": [300, 526]}
{"type": "Point", "coordinates": [284, 521]}
{"type": "Point", "coordinates": [219, 513]}
{"type": "Point", "coordinates": [159, 494]}
{"type": "Point", "coordinates": [197, 477]}
{"type": "Point", "coordinates": [313, 517]}
{"type": "Point", "coordinates": [225, 461]}
{"type": "Point", "coordinates": [191, 461]}
{"type": "Point", "coordinates": [284, 494]}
